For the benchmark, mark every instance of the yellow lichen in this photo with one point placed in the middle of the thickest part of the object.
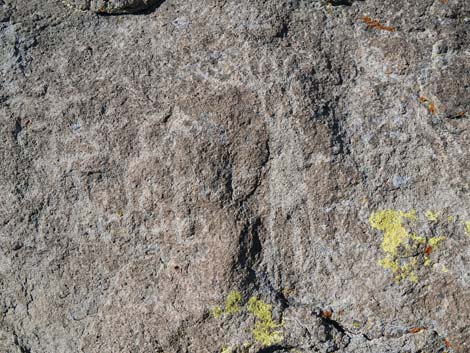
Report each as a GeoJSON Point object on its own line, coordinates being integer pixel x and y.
{"type": "Point", "coordinates": [232, 305]}
{"type": "Point", "coordinates": [390, 264]}
{"type": "Point", "coordinates": [418, 239]}
{"type": "Point", "coordinates": [407, 272]}
{"type": "Point", "coordinates": [431, 216]}
{"type": "Point", "coordinates": [266, 331]}
{"type": "Point", "coordinates": [450, 218]}
{"type": "Point", "coordinates": [427, 261]}
{"type": "Point", "coordinates": [401, 249]}
{"type": "Point", "coordinates": [435, 241]}
{"type": "Point", "coordinates": [217, 312]}
{"type": "Point", "coordinates": [467, 228]}
{"type": "Point", "coordinates": [391, 223]}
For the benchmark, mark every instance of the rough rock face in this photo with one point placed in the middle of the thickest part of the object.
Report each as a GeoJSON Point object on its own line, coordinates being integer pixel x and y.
{"type": "Point", "coordinates": [235, 176]}
{"type": "Point", "coordinates": [114, 6]}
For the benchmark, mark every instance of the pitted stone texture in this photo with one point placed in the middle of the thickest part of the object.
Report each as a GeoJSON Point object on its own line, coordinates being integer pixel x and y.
{"type": "Point", "coordinates": [151, 164]}
{"type": "Point", "coordinates": [115, 6]}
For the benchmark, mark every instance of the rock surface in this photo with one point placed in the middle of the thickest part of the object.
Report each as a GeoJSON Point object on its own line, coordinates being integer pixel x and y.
{"type": "Point", "coordinates": [114, 6]}
{"type": "Point", "coordinates": [312, 154]}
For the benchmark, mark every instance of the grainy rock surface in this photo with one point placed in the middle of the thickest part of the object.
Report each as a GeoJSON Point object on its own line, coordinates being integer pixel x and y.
{"type": "Point", "coordinates": [114, 6]}
{"type": "Point", "coordinates": [312, 154]}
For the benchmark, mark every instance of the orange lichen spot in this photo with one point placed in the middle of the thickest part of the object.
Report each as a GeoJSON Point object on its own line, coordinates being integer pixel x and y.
{"type": "Point", "coordinates": [417, 329]}
{"type": "Point", "coordinates": [327, 314]}
{"type": "Point", "coordinates": [447, 343]}
{"type": "Point", "coordinates": [444, 1]}
{"type": "Point", "coordinates": [461, 114]}
{"type": "Point", "coordinates": [432, 108]}
{"type": "Point", "coordinates": [428, 250]}
{"type": "Point", "coordinates": [422, 99]}
{"type": "Point", "coordinates": [375, 24]}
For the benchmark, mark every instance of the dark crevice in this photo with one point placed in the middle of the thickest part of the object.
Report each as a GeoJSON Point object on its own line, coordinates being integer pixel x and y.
{"type": "Point", "coordinates": [17, 129]}
{"type": "Point", "coordinates": [335, 324]}
{"type": "Point", "coordinates": [259, 178]}
{"type": "Point", "coordinates": [142, 10]}
{"type": "Point", "coordinates": [331, 324]}
{"type": "Point", "coordinates": [338, 137]}
{"type": "Point", "coordinates": [275, 348]}
{"type": "Point", "coordinates": [341, 2]}
{"type": "Point", "coordinates": [250, 243]}
{"type": "Point", "coordinates": [283, 31]}
{"type": "Point", "coordinates": [23, 348]}
{"type": "Point", "coordinates": [150, 9]}
{"type": "Point", "coordinates": [280, 297]}
{"type": "Point", "coordinates": [228, 181]}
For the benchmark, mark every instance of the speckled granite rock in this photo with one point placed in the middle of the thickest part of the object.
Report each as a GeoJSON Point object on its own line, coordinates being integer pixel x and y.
{"type": "Point", "coordinates": [314, 155]}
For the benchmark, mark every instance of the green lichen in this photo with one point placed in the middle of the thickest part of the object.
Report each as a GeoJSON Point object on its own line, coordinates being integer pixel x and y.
{"type": "Point", "coordinates": [266, 331]}
{"type": "Point", "coordinates": [401, 248]}
{"type": "Point", "coordinates": [232, 305]}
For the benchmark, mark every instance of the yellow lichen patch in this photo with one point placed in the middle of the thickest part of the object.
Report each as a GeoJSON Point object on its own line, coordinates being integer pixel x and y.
{"type": "Point", "coordinates": [450, 218]}
{"type": "Point", "coordinates": [467, 228]}
{"type": "Point", "coordinates": [435, 241]}
{"type": "Point", "coordinates": [401, 248]}
{"type": "Point", "coordinates": [232, 305]}
{"type": "Point", "coordinates": [226, 350]}
{"type": "Point", "coordinates": [266, 331]}
{"type": "Point", "coordinates": [418, 239]}
{"type": "Point", "coordinates": [390, 264]}
{"type": "Point", "coordinates": [407, 272]}
{"type": "Point", "coordinates": [217, 312]}
{"type": "Point", "coordinates": [431, 216]}
{"type": "Point", "coordinates": [391, 223]}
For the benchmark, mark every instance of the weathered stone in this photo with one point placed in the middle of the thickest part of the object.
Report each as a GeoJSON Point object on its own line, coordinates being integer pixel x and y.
{"type": "Point", "coordinates": [115, 6]}
{"type": "Point", "coordinates": [315, 157]}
